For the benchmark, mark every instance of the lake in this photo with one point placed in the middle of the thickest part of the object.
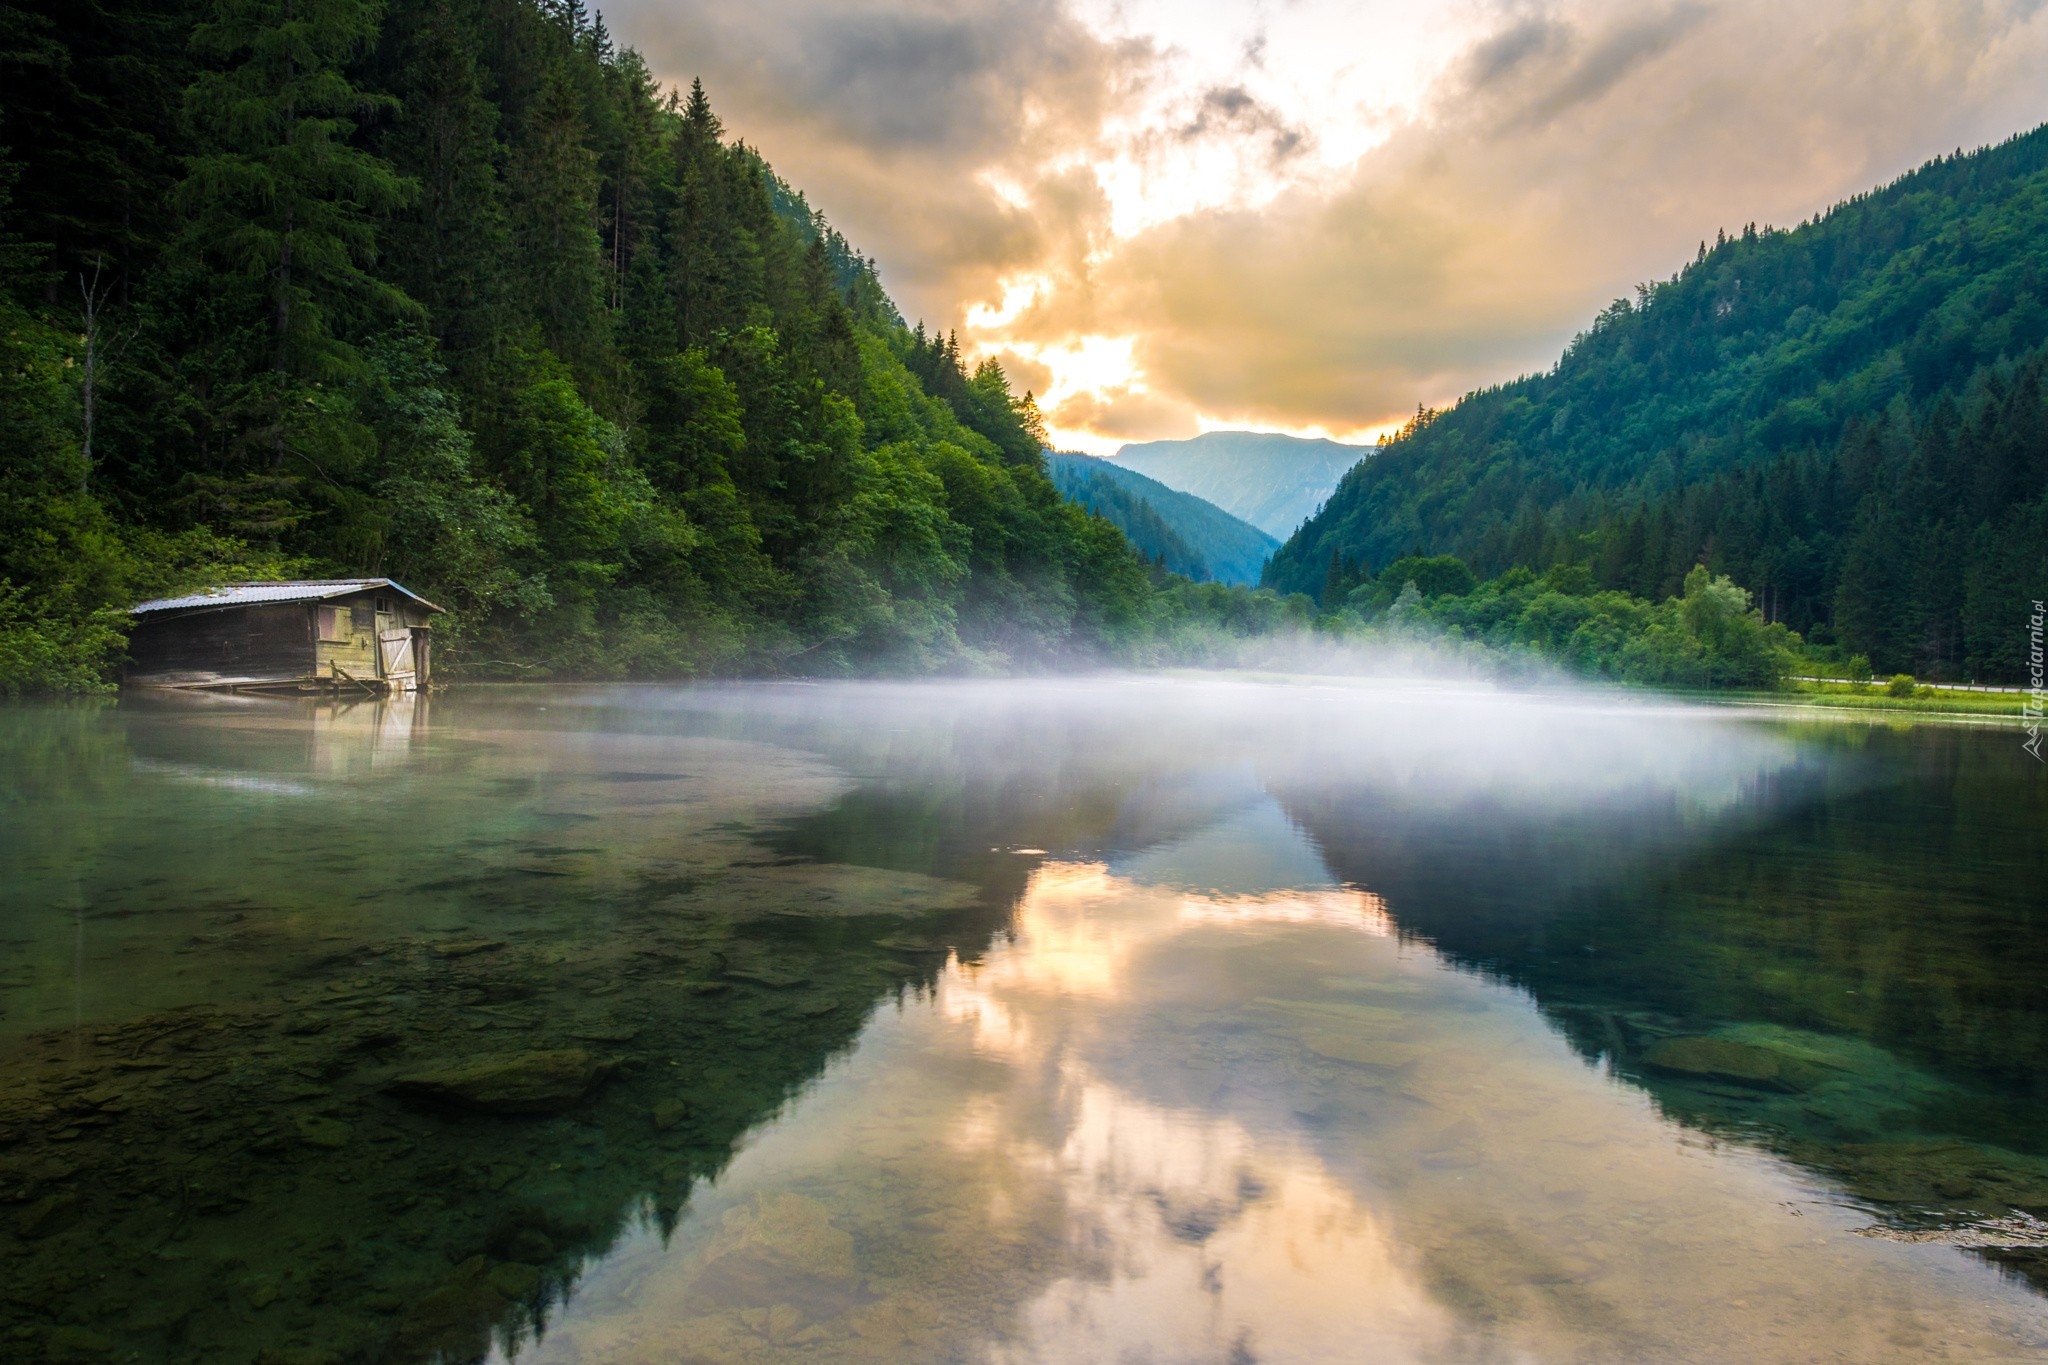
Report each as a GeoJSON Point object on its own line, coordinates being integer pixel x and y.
{"type": "Point", "coordinates": [1165, 1019]}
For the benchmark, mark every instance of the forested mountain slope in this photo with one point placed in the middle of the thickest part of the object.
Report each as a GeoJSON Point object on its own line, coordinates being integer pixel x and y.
{"type": "Point", "coordinates": [1271, 480]}
{"type": "Point", "coordinates": [1185, 534]}
{"type": "Point", "coordinates": [451, 290]}
{"type": "Point", "coordinates": [1846, 417]}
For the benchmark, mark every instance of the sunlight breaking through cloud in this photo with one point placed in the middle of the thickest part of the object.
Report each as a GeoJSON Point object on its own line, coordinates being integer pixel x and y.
{"type": "Point", "coordinates": [1309, 218]}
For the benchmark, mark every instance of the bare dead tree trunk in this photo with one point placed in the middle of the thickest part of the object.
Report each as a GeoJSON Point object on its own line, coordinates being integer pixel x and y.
{"type": "Point", "coordinates": [99, 352]}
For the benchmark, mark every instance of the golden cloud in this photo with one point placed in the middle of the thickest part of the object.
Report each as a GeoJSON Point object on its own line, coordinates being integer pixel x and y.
{"type": "Point", "coordinates": [986, 152]}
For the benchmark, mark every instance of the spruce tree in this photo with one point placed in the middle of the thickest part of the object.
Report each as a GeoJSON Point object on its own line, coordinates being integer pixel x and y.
{"type": "Point", "coordinates": [451, 249]}
{"type": "Point", "coordinates": [559, 259]}
{"type": "Point", "coordinates": [277, 192]}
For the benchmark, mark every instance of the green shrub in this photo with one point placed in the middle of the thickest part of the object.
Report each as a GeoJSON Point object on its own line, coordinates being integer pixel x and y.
{"type": "Point", "coordinates": [47, 652]}
{"type": "Point", "coordinates": [1901, 685]}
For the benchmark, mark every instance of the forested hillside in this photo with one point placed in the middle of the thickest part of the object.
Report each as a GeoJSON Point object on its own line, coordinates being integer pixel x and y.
{"type": "Point", "coordinates": [1846, 418]}
{"type": "Point", "coordinates": [452, 291]}
{"type": "Point", "coordinates": [1180, 532]}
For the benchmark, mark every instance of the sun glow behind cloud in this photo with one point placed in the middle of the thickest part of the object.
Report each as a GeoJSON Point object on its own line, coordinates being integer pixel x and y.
{"type": "Point", "coordinates": [1309, 216]}
{"type": "Point", "coordinates": [1245, 103]}
{"type": "Point", "coordinates": [1238, 107]}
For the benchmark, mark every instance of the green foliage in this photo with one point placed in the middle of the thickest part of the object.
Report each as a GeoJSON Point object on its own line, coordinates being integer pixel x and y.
{"type": "Point", "coordinates": [1153, 536]}
{"type": "Point", "coordinates": [1177, 532]}
{"type": "Point", "coordinates": [1901, 685]}
{"type": "Point", "coordinates": [982, 401]}
{"type": "Point", "coordinates": [275, 193]}
{"type": "Point", "coordinates": [1708, 636]}
{"type": "Point", "coordinates": [1848, 418]}
{"type": "Point", "coordinates": [1432, 575]}
{"type": "Point", "coordinates": [451, 291]}
{"type": "Point", "coordinates": [430, 517]}
{"type": "Point", "coordinates": [43, 651]}
{"type": "Point", "coordinates": [1202, 622]}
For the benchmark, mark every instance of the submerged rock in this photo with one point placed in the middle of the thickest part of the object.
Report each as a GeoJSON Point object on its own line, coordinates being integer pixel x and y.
{"type": "Point", "coordinates": [515, 1279]}
{"type": "Point", "coordinates": [454, 1320]}
{"type": "Point", "coordinates": [529, 1245]}
{"type": "Point", "coordinates": [111, 1099]}
{"type": "Point", "coordinates": [78, 1343]}
{"type": "Point", "coordinates": [606, 1032]}
{"type": "Point", "coordinates": [319, 1131]}
{"type": "Point", "coordinates": [774, 975]}
{"type": "Point", "coordinates": [52, 1213]}
{"type": "Point", "coordinates": [466, 947]}
{"type": "Point", "coordinates": [544, 1082]}
{"type": "Point", "coordinates": [914, 945]}
{"type": "Point", "coordinates": [1723, 1059]}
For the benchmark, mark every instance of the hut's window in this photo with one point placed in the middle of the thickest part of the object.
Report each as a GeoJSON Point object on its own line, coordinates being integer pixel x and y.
{"type": "Point", "coordinates": [365, 619]}
{"type": "Point", "coordinates": [333, 623]}
{"type": "Point", "coordinates": [383, 604]}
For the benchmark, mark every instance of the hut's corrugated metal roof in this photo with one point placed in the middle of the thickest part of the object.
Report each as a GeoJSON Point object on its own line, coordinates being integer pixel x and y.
{"type": "Point", "coordinates": [246, 594]}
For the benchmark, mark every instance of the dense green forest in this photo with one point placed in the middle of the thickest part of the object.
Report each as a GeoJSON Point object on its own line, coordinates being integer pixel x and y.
{"type": "Point", "coordinates": [1708, 634]}
{"type": "Point", "coordinates": [1846, 418]}
{"type": "Point", "coordinates": [451, 291]}
{"type": "Point", "coordinates": [1182, 533]}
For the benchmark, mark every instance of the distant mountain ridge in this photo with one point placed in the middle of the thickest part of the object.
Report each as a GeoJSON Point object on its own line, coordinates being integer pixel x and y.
{"type": "Point", "coordinates": [1190, 535]}
{"type": "Point", "coordinates": [1275, 482]}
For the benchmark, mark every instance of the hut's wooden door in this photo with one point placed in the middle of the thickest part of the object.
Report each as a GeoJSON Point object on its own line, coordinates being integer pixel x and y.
{"type": "Point", "coordinates": [394, 655]}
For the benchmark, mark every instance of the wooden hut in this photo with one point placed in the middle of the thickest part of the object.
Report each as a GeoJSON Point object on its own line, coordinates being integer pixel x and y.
{"type": "Point", "coordinates": [365, 634]}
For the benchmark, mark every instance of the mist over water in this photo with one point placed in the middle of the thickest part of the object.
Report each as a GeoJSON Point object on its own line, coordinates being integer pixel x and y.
{"type": "Point", "coordinates": [1174, 1019]}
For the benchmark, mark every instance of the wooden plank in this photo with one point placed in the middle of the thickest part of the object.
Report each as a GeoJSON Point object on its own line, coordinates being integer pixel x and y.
{"type": "Point", "coordinates": [270, 641]}
{"type": "Point", "coordinates": [394, 653]}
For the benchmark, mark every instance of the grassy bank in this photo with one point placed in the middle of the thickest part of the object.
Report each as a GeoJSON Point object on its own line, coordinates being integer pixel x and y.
{"type": "Point", "coordinates": [1925, 700]}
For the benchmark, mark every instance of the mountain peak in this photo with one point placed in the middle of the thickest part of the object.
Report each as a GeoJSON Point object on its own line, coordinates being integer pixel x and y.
{"type": "Point", "coordinates": [1271, 480]}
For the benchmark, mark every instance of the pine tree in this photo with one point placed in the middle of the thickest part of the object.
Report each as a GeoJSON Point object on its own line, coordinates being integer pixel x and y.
{"type": "Point", "coordinates": [1033, 421]}
{"type": "Point", "coordinates": [696, 282]}
{"type": "Point", "coordinates": [451, 250]}
{"type": "Point", "coordinates": [278, 193]}
{"type": "Point", "coordinates": [1333, 582]}
{"type": "Point", "coordinates": [559, 259]}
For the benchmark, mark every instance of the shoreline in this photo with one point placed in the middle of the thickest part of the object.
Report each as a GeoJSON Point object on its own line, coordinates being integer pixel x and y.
{"type": "Point", "coordinates": [1931, 702]}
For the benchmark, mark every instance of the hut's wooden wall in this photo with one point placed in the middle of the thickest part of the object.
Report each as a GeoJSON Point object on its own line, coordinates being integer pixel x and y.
{"type": "Point", "coordinates": [280, 641]}
{"type": "Point", "coordinates": [266, 642]}
{"type": "Point", "coordinates": [362, 618]}
{"type": "Point", "coordinates": [354, 643]}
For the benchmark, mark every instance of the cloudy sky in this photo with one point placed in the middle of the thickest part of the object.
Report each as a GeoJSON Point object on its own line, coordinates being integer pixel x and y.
{"type": "Point", "coordinates": [1168, 216]}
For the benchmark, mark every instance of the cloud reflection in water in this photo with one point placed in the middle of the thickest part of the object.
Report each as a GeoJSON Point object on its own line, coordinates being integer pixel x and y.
{"type": "Point", "coordinates": [1175, 1121]}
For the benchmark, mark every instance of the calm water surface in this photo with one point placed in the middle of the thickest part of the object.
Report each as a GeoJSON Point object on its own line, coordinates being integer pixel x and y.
{"type": "Point", "coordinates": [1156, 1021]}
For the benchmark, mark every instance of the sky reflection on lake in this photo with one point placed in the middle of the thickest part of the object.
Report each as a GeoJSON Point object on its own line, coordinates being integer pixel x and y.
{"type": "Point", "coordinates": [1151, 1020]}
{"type": "Point", "coordinates": [1205, 1102]}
